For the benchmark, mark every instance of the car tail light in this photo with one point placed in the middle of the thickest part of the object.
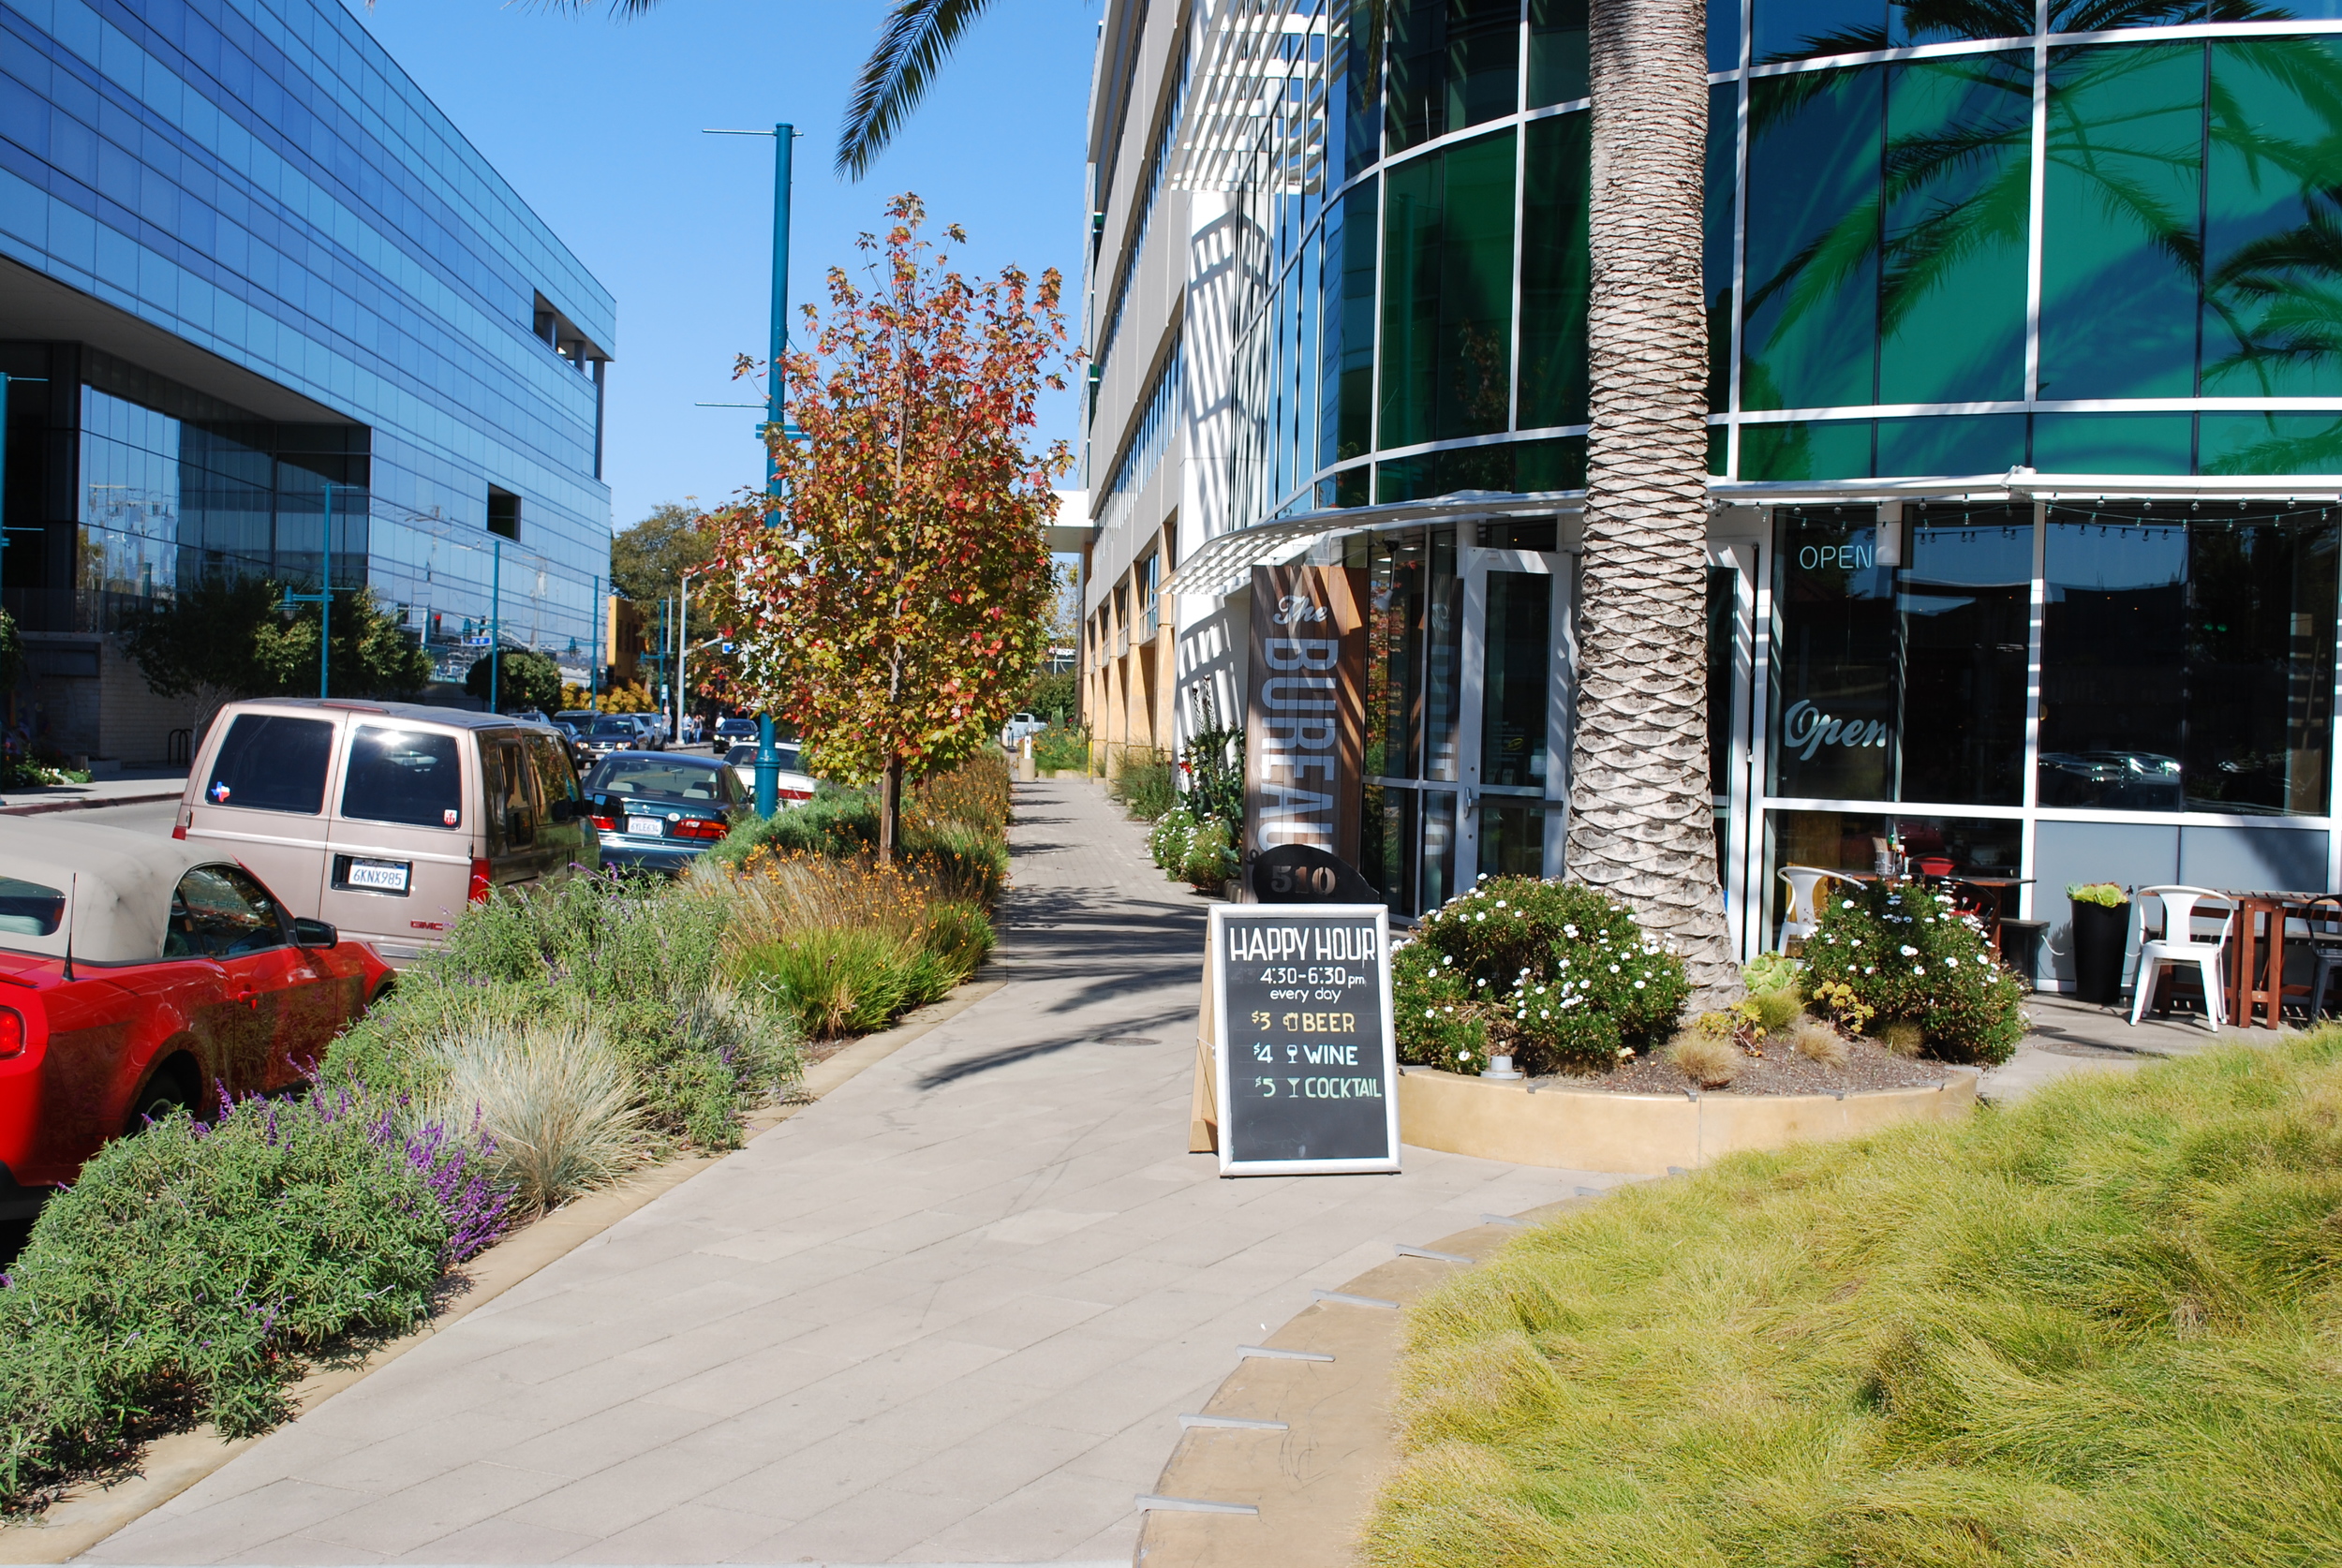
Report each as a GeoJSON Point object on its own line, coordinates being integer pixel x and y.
{"type": "Point", "coordinates": [604, 824]}
{"type": "Point", "coordinates": [480, 883]}
{"type": "Point", "coordinates": [699, 828]}
{"type": "Point", "coordinates": [179, 830]}
{"type": "Point", "coordinates": [11, 1032]}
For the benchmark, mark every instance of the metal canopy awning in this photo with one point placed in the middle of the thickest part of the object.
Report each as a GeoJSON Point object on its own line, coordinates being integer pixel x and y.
{"type": "Point", "coordinates": [1225, 562]}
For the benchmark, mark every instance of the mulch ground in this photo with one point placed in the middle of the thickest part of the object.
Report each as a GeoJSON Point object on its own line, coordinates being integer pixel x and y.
{"type": "Point", "coordinates": [1780, 1071]}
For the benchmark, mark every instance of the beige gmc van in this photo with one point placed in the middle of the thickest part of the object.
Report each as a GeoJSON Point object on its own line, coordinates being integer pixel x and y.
{"type": "Point", "coordinates": [386, 818]}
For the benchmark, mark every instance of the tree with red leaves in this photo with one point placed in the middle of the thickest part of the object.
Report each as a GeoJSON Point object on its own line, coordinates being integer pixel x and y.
{"type": "Point", "coordinates": [893, 592]}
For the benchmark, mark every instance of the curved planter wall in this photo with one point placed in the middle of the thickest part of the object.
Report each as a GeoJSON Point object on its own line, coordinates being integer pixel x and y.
{"type": "Point", "coordinates": [1586, 1130]}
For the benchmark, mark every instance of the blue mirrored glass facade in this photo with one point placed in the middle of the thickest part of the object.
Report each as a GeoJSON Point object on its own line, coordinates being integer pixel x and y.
{"type": "Point", "coordinates": [250, 274]}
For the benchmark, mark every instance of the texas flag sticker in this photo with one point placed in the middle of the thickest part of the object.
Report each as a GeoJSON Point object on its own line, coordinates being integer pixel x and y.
{"type": "Point", "coordinates": [219, 791]}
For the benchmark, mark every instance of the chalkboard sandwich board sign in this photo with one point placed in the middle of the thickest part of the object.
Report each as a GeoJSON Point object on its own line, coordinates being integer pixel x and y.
{"type": "Point", "coordinates": [1307, 1065]}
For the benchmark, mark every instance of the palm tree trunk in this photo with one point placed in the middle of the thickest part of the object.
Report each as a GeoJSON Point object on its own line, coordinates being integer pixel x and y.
{"type": "Point", "coordinates": [1640, 818]}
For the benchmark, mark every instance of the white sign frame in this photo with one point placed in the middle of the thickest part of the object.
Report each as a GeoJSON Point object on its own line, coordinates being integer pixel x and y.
{"type": "Point", "coordinates": [1268, 914]}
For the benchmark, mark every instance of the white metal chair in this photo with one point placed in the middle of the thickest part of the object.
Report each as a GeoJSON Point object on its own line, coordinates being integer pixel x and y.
{"type": "Point", "coordinates": [2179, 944]}
{"type": "Point", "coordinates": [1803, 914]}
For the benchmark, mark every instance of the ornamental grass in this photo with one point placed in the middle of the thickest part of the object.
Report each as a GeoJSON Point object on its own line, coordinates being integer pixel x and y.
{"type": "Point", "coordinates": [2094, 1331]}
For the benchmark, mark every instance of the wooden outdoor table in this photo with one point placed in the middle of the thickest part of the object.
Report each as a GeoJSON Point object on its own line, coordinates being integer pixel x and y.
{"type": "Point", "coordinates": [2256, 969]}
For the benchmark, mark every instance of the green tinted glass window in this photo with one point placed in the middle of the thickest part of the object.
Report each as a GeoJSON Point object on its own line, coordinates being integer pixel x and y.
{"type": "Point", "coordinates": [1959, 197]}
{"type": "Point", "coordinates": [1950, 444]}
{"type": "Point", "coordinates": [1715, 241]}
{"type": "Point", "coordinates": [1356, 71]}
{"type": "Point", "coordinates": [1453, 63]}
{"type": "Point", "coordinates": [1555, 463]}
{"type": "Point", "coordinates": [1813, 240]}
{"type": "Point", "coordinates": [1447, 267]}
{"type": "Point", "coordinates": [2269, 444]}
{"type": "Point", "coordinates": [2273, 279]}
{"type": "Point", "coordinates": [2114, 443]}
{"type": "Point", "coordinates": [1723, 35]}
{"type": "Point", "coordinates": [1806, 450]}
{"type": "Point", "coordinates": [1966, 601]}
{"type": "Point", "coordinates": [1555, 273]}
{"type": "Point", "coordinates": [1556, 52]}
{"type": "Point", "coordinates": [1835, 713]}
{"type": "Point", "coordinates": [2120, 221]}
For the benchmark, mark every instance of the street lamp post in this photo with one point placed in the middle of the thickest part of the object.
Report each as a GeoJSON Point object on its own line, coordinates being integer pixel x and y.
{"type": "Point", "coordinates": [776, 414]}
{"type": "Point", "coordinates": [593, 658]}
{"type": "Point", "coordinates": [682, 646]}
{"type": "Point", "coordinates": [496, 622]}
{"type": "Point", "coordinates": [323, 600]}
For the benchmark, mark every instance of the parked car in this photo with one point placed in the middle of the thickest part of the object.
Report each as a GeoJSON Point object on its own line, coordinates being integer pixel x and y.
{"type": "Point", "coordinates": [731, 729]}
{"type": "Point", "coordinates": [659, 811]}
{"type": "Point", "coordinates": [137, 974]}
{"type": "Point", "coordinates": [385, 818]}
{"type": "Point", "coordinates": [794, 783]}
{"type": "Point", "coordinates": [1018, 727]}
{"type": "Point", "coordinates": [651, 730]}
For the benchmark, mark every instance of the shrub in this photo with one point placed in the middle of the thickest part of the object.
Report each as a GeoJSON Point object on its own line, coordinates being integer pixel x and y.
{"type": "Point", "coordinates": [1560, 976]}
{"type": "Point", "coordinates": [1708, 1058]}
{"type": "Point", "coordinates": [958, 936]}
{"type": "Point", "coordinates": [837, 981]}
{"type": "Point", "coordinates": [187, 1273]}
{"type": "Point", "coordinates": [1772, 971]}
{"type": "Point", "coordinates": [956, 822]}
{"type": "Point", "coordinates": [1903, 952]}
{"type": "Point", "coordinates": [1210, 859]}
{"type": "Point", "coordinates": [2108, 894]}
{"type": "Point", "coordinates": [1817, 1042]}
{"type": "Point", "coordinates": [1059, 749]}
{"type": "Point", "coordinates": [976, 794]}
{"type": "Point", "coordinates": [553, 1105]}
{"type": "Point", "coordinates": [636, 961]}
{"type": "Point", "coordinates": [1168, 840]}
{"type": "Point", "coordinates": [1145, 785]}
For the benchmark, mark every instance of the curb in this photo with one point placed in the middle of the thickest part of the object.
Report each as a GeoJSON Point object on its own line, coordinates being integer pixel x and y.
{"type": "Point", "coordinates": [1281, 1464]}
{"type": "Point", "coordinates": [170, 1465]}
{"type": "Point", "coordinates": [38, 807]}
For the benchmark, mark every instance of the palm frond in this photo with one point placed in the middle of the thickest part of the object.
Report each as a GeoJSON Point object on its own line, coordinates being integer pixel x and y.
{"type": "Point", "coordinates": [918, 36]}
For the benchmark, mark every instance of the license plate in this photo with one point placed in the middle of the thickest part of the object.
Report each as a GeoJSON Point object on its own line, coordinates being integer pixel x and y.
{"type": "Point", "coordinates": [645, 827]}
{"type": "Point", "coordinates": [382, 875]}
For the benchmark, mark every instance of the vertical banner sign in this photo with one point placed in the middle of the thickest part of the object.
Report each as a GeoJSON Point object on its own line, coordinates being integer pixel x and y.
{"type": "Point", "coordinates": [1306, 1063]}
{"type": "Point", "coordinates": [1305, 713]}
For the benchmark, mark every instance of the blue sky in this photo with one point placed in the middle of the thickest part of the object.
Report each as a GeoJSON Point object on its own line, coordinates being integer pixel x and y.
{"type": "Point", "coordinates": [596, 123]}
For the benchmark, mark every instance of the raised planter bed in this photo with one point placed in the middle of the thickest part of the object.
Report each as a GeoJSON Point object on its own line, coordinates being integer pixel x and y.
{"type": "Point", "coordinates": [1648, 1134]}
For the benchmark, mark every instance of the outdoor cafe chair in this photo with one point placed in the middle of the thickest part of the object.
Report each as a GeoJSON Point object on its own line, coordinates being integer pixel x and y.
{"type": "Point", "coordinates": [1967, 898]}
{"type": "Point", "coordinates": [1803, 914]}
{"type": "Point", "coordinates": [2178, 946]}
{"type": "Point", "coordinates": [2321, 918]}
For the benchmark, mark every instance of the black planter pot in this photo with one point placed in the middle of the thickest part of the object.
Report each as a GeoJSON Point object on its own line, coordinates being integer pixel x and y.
{"type": "Point", "coordinates": [2100, 934]}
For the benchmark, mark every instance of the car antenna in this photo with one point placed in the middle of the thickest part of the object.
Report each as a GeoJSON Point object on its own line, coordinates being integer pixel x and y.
{"type": "Point", "coordinates": [73, 897]}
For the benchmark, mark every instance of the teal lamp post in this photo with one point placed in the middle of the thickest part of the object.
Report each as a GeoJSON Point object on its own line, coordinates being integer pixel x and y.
{"type": "Point", "coordinates": [323, 600]}
{"type": "Point", "coordinates": [776, 414]}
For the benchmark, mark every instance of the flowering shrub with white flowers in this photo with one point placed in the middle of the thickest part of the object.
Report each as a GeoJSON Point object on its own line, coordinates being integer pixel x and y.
{"type": "Point", "coordinates": [1560, 976]}
{"type": "Point", "coordinates": [1907, 956]}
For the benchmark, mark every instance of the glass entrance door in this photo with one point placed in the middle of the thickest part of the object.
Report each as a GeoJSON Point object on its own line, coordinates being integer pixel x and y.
{"type": "Point", "coordinates": [1515, 713]}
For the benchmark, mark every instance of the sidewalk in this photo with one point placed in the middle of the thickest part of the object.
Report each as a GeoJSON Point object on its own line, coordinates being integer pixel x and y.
{"type": "Point", "coordinates": [950, 1314]}
{"type": "Point", "coordinates": [131, 786]}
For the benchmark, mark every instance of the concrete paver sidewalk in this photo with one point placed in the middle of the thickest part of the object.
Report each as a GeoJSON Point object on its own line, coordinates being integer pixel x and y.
{"type": "Point", "coordinates": [950, 1314]}
{"type": "Point", "coordinates": [130, 787]}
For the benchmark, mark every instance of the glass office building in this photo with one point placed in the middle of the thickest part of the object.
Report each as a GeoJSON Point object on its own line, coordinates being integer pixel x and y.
{"type": "Point", "coordinates": [252, 278]}
{"type": "Point", "coordinates": [2025, 385]}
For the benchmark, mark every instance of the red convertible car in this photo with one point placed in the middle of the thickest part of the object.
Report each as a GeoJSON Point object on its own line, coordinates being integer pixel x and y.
{"type": "Point", "coordinates": [138, 973]}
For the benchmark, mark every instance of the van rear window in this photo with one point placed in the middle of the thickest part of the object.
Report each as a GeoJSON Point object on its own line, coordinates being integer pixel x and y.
{"type": "Point", "coordinates": [403, 775]}
{"type": "Point", "coordinates": [29, 908]}
{"type": "Point", "coordinates": [271, 762]}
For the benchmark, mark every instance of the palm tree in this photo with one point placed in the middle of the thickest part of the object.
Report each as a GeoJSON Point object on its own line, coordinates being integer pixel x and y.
{"type": "Point", "coordinates": [919, 36]}
{"type": "Point", "coordinates": [1642, 819]}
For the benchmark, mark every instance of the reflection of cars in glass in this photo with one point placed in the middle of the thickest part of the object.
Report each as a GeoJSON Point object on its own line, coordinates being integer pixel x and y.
{"type": "Point", "coordinates": [139, 972]}
{"type": "Point", "coordinates": [795, 784]}
{"type": "Point", "coordinates": [2130, 781]}
{"type": "Point", "coordinates": [659, 811]}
